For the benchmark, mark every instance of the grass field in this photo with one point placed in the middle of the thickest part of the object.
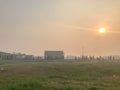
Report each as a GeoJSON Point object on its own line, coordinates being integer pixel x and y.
{"type": "Point", "coordinates": [60, 76]}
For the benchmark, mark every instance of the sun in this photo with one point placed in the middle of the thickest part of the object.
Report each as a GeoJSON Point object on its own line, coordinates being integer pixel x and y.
{"type": "Point", "coordinates": [102, 30]}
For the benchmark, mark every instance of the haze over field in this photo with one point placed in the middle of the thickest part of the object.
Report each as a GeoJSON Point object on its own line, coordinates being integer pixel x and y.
{"type": "Point", "coordinates": [32, 26]}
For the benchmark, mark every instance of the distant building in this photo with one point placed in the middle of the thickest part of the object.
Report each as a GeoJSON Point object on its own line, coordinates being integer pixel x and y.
{"type": "Point", "coordinates": [18, 56]}
{"type": "Point", "coordinates": [54, 55]}
{"type": "Point", "coordinates": [71, 58]}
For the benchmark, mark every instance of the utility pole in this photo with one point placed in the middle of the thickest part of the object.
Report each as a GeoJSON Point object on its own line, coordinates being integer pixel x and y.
{"type": "Point", "coordinates": [82, 51]}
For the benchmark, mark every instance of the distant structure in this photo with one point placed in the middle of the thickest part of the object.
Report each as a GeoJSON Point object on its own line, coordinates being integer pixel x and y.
{"type": "Point", "coordinates": [54, 55]}
{"type": "Point", "coordinates": [18, 56]}
{"type": "Point", "coordinates": [71, 57]}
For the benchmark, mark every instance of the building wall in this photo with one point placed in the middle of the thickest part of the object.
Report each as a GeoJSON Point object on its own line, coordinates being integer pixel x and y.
{"type": "Point", "coordinates": [54, 55]}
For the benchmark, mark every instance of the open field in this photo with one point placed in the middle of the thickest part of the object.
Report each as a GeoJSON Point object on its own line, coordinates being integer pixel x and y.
{"type": "Point", "coordinates": [60, 76]}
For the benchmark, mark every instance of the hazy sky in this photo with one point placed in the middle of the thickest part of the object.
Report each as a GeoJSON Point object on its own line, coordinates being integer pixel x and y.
{"type": "Point", "coordinates": [32, 26]}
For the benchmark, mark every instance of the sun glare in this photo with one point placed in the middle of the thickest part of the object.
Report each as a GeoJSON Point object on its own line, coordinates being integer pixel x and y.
{"type": "Point", "coordinates": [102, 30]}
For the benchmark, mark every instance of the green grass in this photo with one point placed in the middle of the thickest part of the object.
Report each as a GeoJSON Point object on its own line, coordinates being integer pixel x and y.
{"type": "Point", "coordinates": [60, 76]}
